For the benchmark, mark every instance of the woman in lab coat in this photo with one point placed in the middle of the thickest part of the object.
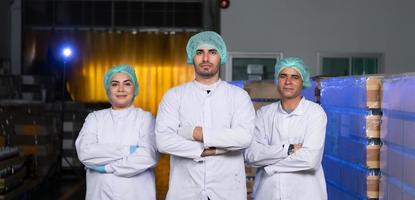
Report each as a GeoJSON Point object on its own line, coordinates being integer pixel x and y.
{"type": "Point", "coordinates": [117, 144]}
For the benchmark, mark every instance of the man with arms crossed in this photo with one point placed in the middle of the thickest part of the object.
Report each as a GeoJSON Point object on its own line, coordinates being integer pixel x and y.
{"type": "Point", "coordinates": [204, 125]}
{"type": "Point", "coordinates": [288, 140]}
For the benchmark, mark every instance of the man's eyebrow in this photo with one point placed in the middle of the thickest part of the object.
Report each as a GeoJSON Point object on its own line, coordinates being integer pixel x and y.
{"type": "Point", "coordinates": [285, 74]}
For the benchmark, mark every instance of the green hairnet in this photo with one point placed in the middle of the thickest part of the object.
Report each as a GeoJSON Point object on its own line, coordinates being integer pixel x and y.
{"type": "Point", "coordinates": [208, 39]}
{"type": "Point", "coordinates": [127, 69]}
{"type": "Point", "coordinates": [297, 64]}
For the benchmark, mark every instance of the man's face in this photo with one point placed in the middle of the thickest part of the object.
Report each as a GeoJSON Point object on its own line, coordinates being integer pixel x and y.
{"type": "Point", "coordinates": [206, 62]}
{"type": "Point", "coordinates": [290, 83]}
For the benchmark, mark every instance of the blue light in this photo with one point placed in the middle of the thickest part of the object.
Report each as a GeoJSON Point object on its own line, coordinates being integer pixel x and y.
{"type": "Point", "coordinates": [67, 52]}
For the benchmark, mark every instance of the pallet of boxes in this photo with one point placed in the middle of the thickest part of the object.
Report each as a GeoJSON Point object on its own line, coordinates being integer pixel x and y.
{"type": "Point", "coordinates": [74, 117]}
{"type": "Point", "coordinates": [262, 93]}
{"type": "Point", "coordinates": [12, 173]}
{"type": "Point", "coordinates": [28, 133]}
{"type": "Point", "coordinates": [312, 93]}
{"type": "Point", "coordinates": [398, 137]}
{"type": "Point", "coordinates": [351, 156]}
{"type": "Point", "coordinates": [33, 128]}
{"type": "Point", "coordinates": [27, 88]}
{"type": "Point", "coordinates": [12, 163]}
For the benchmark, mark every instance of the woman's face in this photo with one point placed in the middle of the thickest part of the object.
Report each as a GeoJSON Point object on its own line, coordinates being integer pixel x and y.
{"type": "Point", "coordinates": [121, 91]}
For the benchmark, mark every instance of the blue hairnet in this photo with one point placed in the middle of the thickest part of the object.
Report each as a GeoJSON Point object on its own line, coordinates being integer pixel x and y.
{"type": "Point", "coordinates": [297, 64]}
{"type": "Point", "coordinates": [206, 39]}
{"type": "Point", "coordinates": [127, 69]}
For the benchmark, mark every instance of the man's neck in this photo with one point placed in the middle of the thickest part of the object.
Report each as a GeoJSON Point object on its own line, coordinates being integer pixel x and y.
{"type": "Point", "coordinates": [207, 81]}
{"type": "Point", "coordinates": [290, 104]}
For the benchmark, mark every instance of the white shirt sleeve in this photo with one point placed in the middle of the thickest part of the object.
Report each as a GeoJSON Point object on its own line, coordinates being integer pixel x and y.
{"type": "Point", "coordinates": [90, 152]}
{"type": "Point", "coordinates": [260, 153]}
{"type": "Point", "coordinates": [146, 155]}
{"type": "Point", "coordinates": [239, 136]}
{"type": "Point", "coordinates": [309, 156]}
{"type": "Point", "coordinates": [167, 124]}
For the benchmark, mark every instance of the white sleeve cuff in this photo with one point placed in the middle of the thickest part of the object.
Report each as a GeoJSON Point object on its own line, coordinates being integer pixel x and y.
{"type": "Point", "coordinates": [126, 150]}
{"type": "Point", "coordinates": [285, 148]}
{"type": "Point", "coordinates": [186, 132]}
{"type": "Point", "coordinates": [109, 169]}
{"type": "Point", "coordinates": [269, 170]}
{"type": "Point", "coordinates": [200, 159]}
{"type": "Point", "coordinates": [219, 151]}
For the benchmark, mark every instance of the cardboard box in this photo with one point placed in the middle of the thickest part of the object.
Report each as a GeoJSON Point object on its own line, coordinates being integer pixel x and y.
{"type": "Point", "coordinates": [264, 89]}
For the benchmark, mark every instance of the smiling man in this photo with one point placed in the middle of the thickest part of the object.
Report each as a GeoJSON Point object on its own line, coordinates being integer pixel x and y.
{"type": "Point", "coordinates": [204, 125]}
{"type": "Point", "coordinates": [289, 140]}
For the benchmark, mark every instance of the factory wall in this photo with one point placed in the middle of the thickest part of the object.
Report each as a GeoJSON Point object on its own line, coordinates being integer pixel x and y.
{"type": "Point", "coordinates": [305, 28]}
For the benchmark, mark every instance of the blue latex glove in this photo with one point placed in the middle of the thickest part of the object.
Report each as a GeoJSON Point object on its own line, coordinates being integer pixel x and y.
{"type": "Point", "coordinates": [133, 148]}
{"type": "Point", "coordinates": [100, 169]}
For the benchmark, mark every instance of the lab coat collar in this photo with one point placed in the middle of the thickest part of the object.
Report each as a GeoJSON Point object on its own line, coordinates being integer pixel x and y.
{"type": "Point", "coordinates": [122, 112]}
{"type": "Point", "coordinates": [299, 110]}
{"type": "Point", "coordinates": [204, 87]}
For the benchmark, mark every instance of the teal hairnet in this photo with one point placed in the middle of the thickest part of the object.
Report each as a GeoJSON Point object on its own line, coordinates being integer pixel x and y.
{"type": "Point", "coordinates": [127, 69]}
{"type": "Point", "coordinates": [208, 39]}
{"type": "Point", "coordinates": [297, 64]}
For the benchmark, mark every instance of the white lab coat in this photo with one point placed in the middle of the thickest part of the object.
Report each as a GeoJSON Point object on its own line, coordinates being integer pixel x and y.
{"type": "Point", "coordinates": [105, 139]}
{"type": "Point", "coordinates": [227, 117]}
{"type": "Point", "coordinates": [298, 176]}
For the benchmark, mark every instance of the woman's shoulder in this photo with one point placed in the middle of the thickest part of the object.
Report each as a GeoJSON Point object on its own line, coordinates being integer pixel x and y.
{"type": "Point", "coordinates": [143, 113]}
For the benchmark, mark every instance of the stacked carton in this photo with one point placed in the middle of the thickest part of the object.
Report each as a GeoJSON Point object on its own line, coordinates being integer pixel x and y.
{"type": "Point", "coordinates": [312, 93]}
{"type": "Point", "coordinates": [351, 157]}
{"type": "Point", "coordinates": [9, 87]}
{"type": "Point", "coordinates": [12, 173]}
{"type": "Point", "coordinates": [5, 127]}
{"type": "Point", "coordinates": [397, 130]}
{"type": "Point", "coordinates": [250, 180]}
{"type": "Point", "coordinates": [27, 87]}
{"type": "Point", "coordinates": [262, 93]}
{"type": "Point", "coordinates": [74, 117]}
{"type": "Point", "coordinates": [37, 88]}
{"type": "Point", "coordinates": [33, 128]}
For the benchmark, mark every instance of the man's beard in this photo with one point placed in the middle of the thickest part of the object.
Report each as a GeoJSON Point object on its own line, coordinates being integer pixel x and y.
{"type": "Point", "coordinates": [207, 73]}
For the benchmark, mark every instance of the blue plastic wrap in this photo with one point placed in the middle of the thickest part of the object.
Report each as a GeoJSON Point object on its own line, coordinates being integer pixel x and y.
{"type": "Point", "coordinates": [344, 92]}
{"type": "Point", "coordinates": [394, 188]}
{"type": "Point", "coordinates": [238, 83]}
{"type": "Point", "coordinates": [351, 91]}
{"type": "Point", "coordinates": [357, 122]}
{"type": "Point", "coordinates": [345, 157]}
{"type": "Point", "coordinates": [345, 180]}
{"type": "Point", "coordinates": [351, 148]}
{"type": "Point", "coordinates": [310, 92]}
{"type": "Point", "coordinates": [397, 133]}
{"type": "Point", "coordinates": [353, 124]}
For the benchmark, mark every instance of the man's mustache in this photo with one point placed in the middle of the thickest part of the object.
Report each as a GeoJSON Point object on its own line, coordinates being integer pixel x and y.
{"type": "Point", "coordinates": [204, 63]}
